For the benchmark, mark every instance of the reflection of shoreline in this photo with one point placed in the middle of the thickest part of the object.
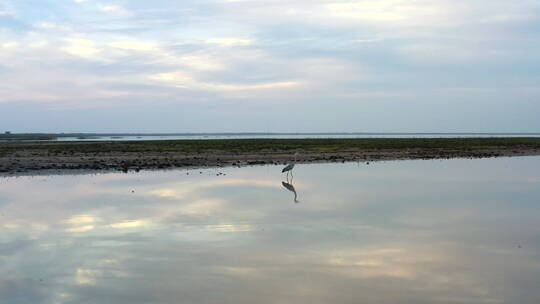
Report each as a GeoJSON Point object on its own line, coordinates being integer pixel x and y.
{"type": "Point", "coordinates": [290, 187]}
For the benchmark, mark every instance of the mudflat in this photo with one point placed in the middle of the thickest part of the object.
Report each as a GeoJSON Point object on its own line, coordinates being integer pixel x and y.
{"type": "Point", "coordinates": [24, 156]}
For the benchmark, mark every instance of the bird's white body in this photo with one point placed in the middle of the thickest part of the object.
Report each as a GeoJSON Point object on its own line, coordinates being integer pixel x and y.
{"type": "Point", "coordinates": [288, 168]}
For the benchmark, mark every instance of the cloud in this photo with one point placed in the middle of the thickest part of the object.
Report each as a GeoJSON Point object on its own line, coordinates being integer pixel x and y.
{"type": "Point", "coordinates": [385, 11]}
{"type": "Point", "coordinates": [8, 45]}
{"type": "Point", "coordinates": [229, 42]}
{"type": "Point", "coordinates": [6, 13]}
{"type": "Point", "coordinates": [6, 9]}
{"type": "Point", "coordinates": [91, 54]}
{"type": "Point", "coordinates": [183, 80]}
{"type": "Point", "coordinates": [200, 62]}
{"type": "Point", "coordinates": [134, 45]}
{"type": "Point", "coordinates": [130, 224]}
{"type": "Point", "coordinates": [81, 47]}
{"type": "Point", "coordinates": [115, 9]}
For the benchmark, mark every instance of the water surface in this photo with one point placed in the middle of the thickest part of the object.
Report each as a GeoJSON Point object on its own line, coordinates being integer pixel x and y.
{"type": "Point", "coordinates": [138, 137]}
{"type": "Point", "coordinates": [452, 231]}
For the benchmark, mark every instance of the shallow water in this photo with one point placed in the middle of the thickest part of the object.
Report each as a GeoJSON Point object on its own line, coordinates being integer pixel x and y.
{"type": "Point", "coordinates": [452, 231]}
{"type": "Point", "coordinates": [300, 135]}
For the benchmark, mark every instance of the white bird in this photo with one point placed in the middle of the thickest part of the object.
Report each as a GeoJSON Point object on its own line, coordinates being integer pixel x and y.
{"type": "Point", "coordinates": [290, 166]}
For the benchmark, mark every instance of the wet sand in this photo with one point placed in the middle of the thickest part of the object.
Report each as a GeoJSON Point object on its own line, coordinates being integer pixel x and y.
{"type": "Point", "coordinates": [39, 157]}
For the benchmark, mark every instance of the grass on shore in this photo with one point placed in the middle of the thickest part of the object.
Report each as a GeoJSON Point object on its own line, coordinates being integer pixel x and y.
{"type": "Point", "coordinates": [259, 145]}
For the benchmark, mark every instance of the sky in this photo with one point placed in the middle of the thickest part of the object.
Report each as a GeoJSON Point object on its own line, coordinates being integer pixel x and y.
{"type": "Point", "coordinates": [269, 66]}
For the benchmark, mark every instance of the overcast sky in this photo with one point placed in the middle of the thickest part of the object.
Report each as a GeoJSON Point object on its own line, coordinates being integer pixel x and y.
{"type": "Point", "coordinates": [269, 66]}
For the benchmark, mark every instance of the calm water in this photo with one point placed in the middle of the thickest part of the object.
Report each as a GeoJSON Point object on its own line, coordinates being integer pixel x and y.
{"type": "Point", "coordinates": [310, 135]}
{"type": "Point", "coordinates": [453, 231]}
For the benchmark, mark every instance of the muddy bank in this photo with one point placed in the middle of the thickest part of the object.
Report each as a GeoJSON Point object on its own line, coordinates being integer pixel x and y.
{"type": "Point", "coordinates": [26, 158]}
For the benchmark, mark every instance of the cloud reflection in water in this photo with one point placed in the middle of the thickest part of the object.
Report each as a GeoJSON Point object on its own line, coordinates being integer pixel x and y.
{"type": "Point", "coordinates": [395, 232]}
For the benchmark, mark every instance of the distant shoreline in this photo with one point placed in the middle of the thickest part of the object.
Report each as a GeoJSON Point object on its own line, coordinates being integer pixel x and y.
{"type": "Point", "coordinates": [39, 137]}
{"type": "Point", "coordinates": [28, 157]}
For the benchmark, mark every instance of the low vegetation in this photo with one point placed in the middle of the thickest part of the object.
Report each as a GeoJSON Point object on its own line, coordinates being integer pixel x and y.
{"type": "Point", "coordinates": [261, 145]}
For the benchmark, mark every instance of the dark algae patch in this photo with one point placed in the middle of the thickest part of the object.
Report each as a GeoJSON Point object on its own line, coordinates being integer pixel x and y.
{"type": "Point", "coordinates": [23, 156]}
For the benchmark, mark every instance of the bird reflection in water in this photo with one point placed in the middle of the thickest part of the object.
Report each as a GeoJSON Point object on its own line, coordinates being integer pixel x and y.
{"type": "Point", "coordinates": [290, 187]}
